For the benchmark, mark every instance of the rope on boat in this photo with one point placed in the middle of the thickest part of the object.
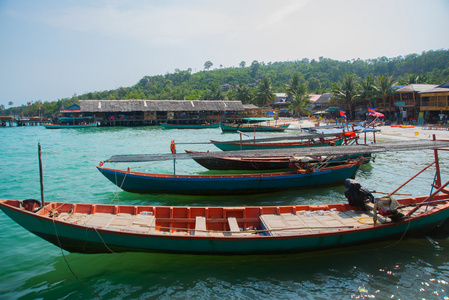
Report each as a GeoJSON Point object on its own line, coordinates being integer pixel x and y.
{"type": "Point", "coordinates": [365, 223]}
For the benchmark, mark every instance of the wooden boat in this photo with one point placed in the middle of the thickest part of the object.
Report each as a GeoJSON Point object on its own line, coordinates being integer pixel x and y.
{"type": "Point", "coordinates": [262, 162]}
{"type": "Point", "coordinates": [72, 122]}
{"type": "Point", "coordinates": [253, 145]}
{"type": "Point", "coordinates": [229, 127]}
{"type": "Point", "coordinates": [97, 228]}
{"type": "Point", "coordinates": [61, 126]}
{"type": "Point", "coordinates": [107, 228]}
{"type": "Point", "coordinates": [139, 182]}
{"type": "Point", "coordinates": [189, 126]}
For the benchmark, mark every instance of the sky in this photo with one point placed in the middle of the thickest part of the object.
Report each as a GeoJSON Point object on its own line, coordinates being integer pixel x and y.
{"type": "Point", "coordinates": [52, 49]}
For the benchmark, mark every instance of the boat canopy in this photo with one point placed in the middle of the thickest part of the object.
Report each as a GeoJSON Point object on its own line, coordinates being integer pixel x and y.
{"type": "Point", "coordinates": [258, 119]}
{"type": "Point", "coordinates": [315, 151]}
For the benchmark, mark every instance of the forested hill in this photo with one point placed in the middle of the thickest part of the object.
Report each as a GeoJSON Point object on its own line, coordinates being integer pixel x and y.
{"type": "Point", "coordinates": [228, 83]}
{"type": "Point", "coordinates": [318, 75]}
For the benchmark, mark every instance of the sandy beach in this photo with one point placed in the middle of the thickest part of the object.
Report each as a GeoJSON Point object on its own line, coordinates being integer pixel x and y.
{"type": "Point", "coordinates": [394, 132]}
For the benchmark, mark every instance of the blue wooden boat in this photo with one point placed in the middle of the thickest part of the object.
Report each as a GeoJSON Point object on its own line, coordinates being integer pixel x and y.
{"type": "Point", "coordinates": [62, 126]}
{"type": "Point", "coordinates": [139, 182]}
{"type": "Point", "coordinates": [189, 126]}
{"type": "Point", "coordinates": [72, 122]}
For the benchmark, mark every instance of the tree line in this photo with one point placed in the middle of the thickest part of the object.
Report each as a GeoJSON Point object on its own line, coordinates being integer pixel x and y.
{"type": "Point", "coordinates": [257, 82]}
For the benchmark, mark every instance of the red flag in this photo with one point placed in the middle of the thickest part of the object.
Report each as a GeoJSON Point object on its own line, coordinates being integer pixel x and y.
{"type": "Point", "coordinates": [342, 114]}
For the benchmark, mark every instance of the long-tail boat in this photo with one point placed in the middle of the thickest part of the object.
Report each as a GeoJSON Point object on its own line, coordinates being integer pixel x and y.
{"type": "Point", "coordinates": [106, 228]}
{"type": "Point", "coordinates": [62, 126]}
{"type": "Point", "coordinates": [262, 162]}
{"type": "Point", "coordinates": [254, 145]}
{"type": "Point", "coordinates": [72, 122]}
{"type": "Point", "coordinates": [229, 127]}
{"type": "Point", "coordinates": [189, 126]}
{"type": "Point", "coordinates": [139, 182]}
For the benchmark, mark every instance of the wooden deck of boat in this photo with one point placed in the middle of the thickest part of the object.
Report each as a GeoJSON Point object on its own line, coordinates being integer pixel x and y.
{"type": "Point", "coordinates": [303, 222]}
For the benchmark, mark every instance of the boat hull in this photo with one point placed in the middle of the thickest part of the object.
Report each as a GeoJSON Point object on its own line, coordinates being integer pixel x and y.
{"type": "Point", "coordinates": [61, 126]}
{"type": "Point", "coordinates": [253, 128]}
{"type": "Point", "coordinates": [236, 146]}
{"type": "Point", "coordinates": [189, 126]}
{"type": "Point", "coordinates": [226, 184]}
{"type": "Point", "coordinates": [259, 162]}
{"type": "Point", "coordinates": [75, 237]}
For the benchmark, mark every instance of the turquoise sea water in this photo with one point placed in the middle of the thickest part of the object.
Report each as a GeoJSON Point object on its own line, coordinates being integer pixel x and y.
{"type": "Point", "coordinates": [32, 268]}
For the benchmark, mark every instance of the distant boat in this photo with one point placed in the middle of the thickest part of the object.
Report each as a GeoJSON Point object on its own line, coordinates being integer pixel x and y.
{"type": "Point", "coordinates": [229, 127]}
{"type": "Point", "coordinates": [253, 145]}
{"type": "Point", "coordinates": [72, 122]}
{"type": "Point", "coordinates": [139, 182]}
{"type": "Point", "coordinates": [189, 126]}
{"type": "Point", "coordinates": [62, 126]}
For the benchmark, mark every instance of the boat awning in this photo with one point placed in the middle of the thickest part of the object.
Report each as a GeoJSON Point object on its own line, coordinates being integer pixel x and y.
{"type": "Point", "coordinates": [69, 111]}
{"type": "Point", "coordinates": [258, 119]}
{"type": "Point", "coordinates": [317, 151]}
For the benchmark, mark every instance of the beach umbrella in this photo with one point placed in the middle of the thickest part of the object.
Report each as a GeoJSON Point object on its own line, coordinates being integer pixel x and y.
{"type": "Point", "coordinates": [376, 114]}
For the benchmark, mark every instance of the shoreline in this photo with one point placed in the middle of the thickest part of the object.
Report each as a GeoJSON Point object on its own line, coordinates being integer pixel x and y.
{"type": "Point", "coordinates": [416, 132]}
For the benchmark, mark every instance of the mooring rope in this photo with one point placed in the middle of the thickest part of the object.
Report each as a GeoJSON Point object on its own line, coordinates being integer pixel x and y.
{"type": "Point", "coordinates": [68, 265]}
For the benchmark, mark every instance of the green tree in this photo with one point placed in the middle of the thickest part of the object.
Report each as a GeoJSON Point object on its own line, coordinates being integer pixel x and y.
{"type": "Point", "coordinates": [208, 64]}
{"type": "Point", "coordinates": [243, 94]}
{"type": "Point", "coordinates": [10, 103]}
{"type": "Point", "coordinates": [314, 84]}
{"type": "Point", "coordinates": [385, 88]}
{"type": "Point", "coordinates": [345, 91]}
{"type": "Point", "coordinates": [293, 87]}
{"type": "Point", "coordinates": [242, 64]}
{"type": "Point", "coordinates": [368, 91]}
{"type": "Point", "coordinates": [300, 101]}
{"type": "Point", "coordinates": [214, 93]}
{"type": "Point", "coordinates": [255, 66]}
{"type": "Point", "coordinates": [265, 95]}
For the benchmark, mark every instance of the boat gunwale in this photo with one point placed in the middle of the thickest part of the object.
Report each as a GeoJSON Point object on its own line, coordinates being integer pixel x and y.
{"type": "Point", "coordinates": [435, 210]}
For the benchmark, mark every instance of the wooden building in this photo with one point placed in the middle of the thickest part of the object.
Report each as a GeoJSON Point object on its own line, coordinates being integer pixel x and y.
{"type": "Point", "coordinates": [153, 112]}
{"type": "Point", "coordinates": [435, 103]}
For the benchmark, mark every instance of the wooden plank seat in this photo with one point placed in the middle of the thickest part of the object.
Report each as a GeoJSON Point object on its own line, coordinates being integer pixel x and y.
{"type": "Point", "coordinates": [200, 226]}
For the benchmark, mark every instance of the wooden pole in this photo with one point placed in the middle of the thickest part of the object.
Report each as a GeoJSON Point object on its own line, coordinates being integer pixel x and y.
{"type": "Point", "coordinates": [41, 174]}
{"type": "Point", "coordinates": [437, 166]}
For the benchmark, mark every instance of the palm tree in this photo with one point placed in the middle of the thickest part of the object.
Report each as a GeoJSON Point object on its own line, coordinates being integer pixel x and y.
{"type": "Point", "coordinates": [265, 95]}
{"type": "Point", "coordinates": [292, 88]}
{"type": "Point", "coordinates": [346, 90]}
{"type": "Point", "coordinates": [243, 93]}
{"type": "Point", "coordinates": [384, 86]}
{"type": "Point", "coordinates": [300, 102]}
{"type": "Point", "coordinates": [214, 93]}
{"type": "Point", "coordinates": [368, 91]}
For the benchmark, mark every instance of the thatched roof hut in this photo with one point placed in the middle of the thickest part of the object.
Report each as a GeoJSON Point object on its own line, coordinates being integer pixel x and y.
{"type": "Point", "coordinates": [92, 106]}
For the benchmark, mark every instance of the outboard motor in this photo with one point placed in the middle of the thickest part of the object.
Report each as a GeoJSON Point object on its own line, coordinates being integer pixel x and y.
{"type": "Point", "coordinates": [356, 194]}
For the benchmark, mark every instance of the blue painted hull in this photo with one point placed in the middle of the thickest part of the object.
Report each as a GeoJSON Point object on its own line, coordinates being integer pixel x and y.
{"type": "Point", "coordinates": [61, 126]}
{"type": "Point", "coordinates": [225, 184]}
{"type": "Point", "coordinates": [189, 126]}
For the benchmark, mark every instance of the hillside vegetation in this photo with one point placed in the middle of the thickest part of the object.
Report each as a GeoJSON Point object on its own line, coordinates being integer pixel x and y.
{"type": "Point", "coordinates": [240, 83]}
